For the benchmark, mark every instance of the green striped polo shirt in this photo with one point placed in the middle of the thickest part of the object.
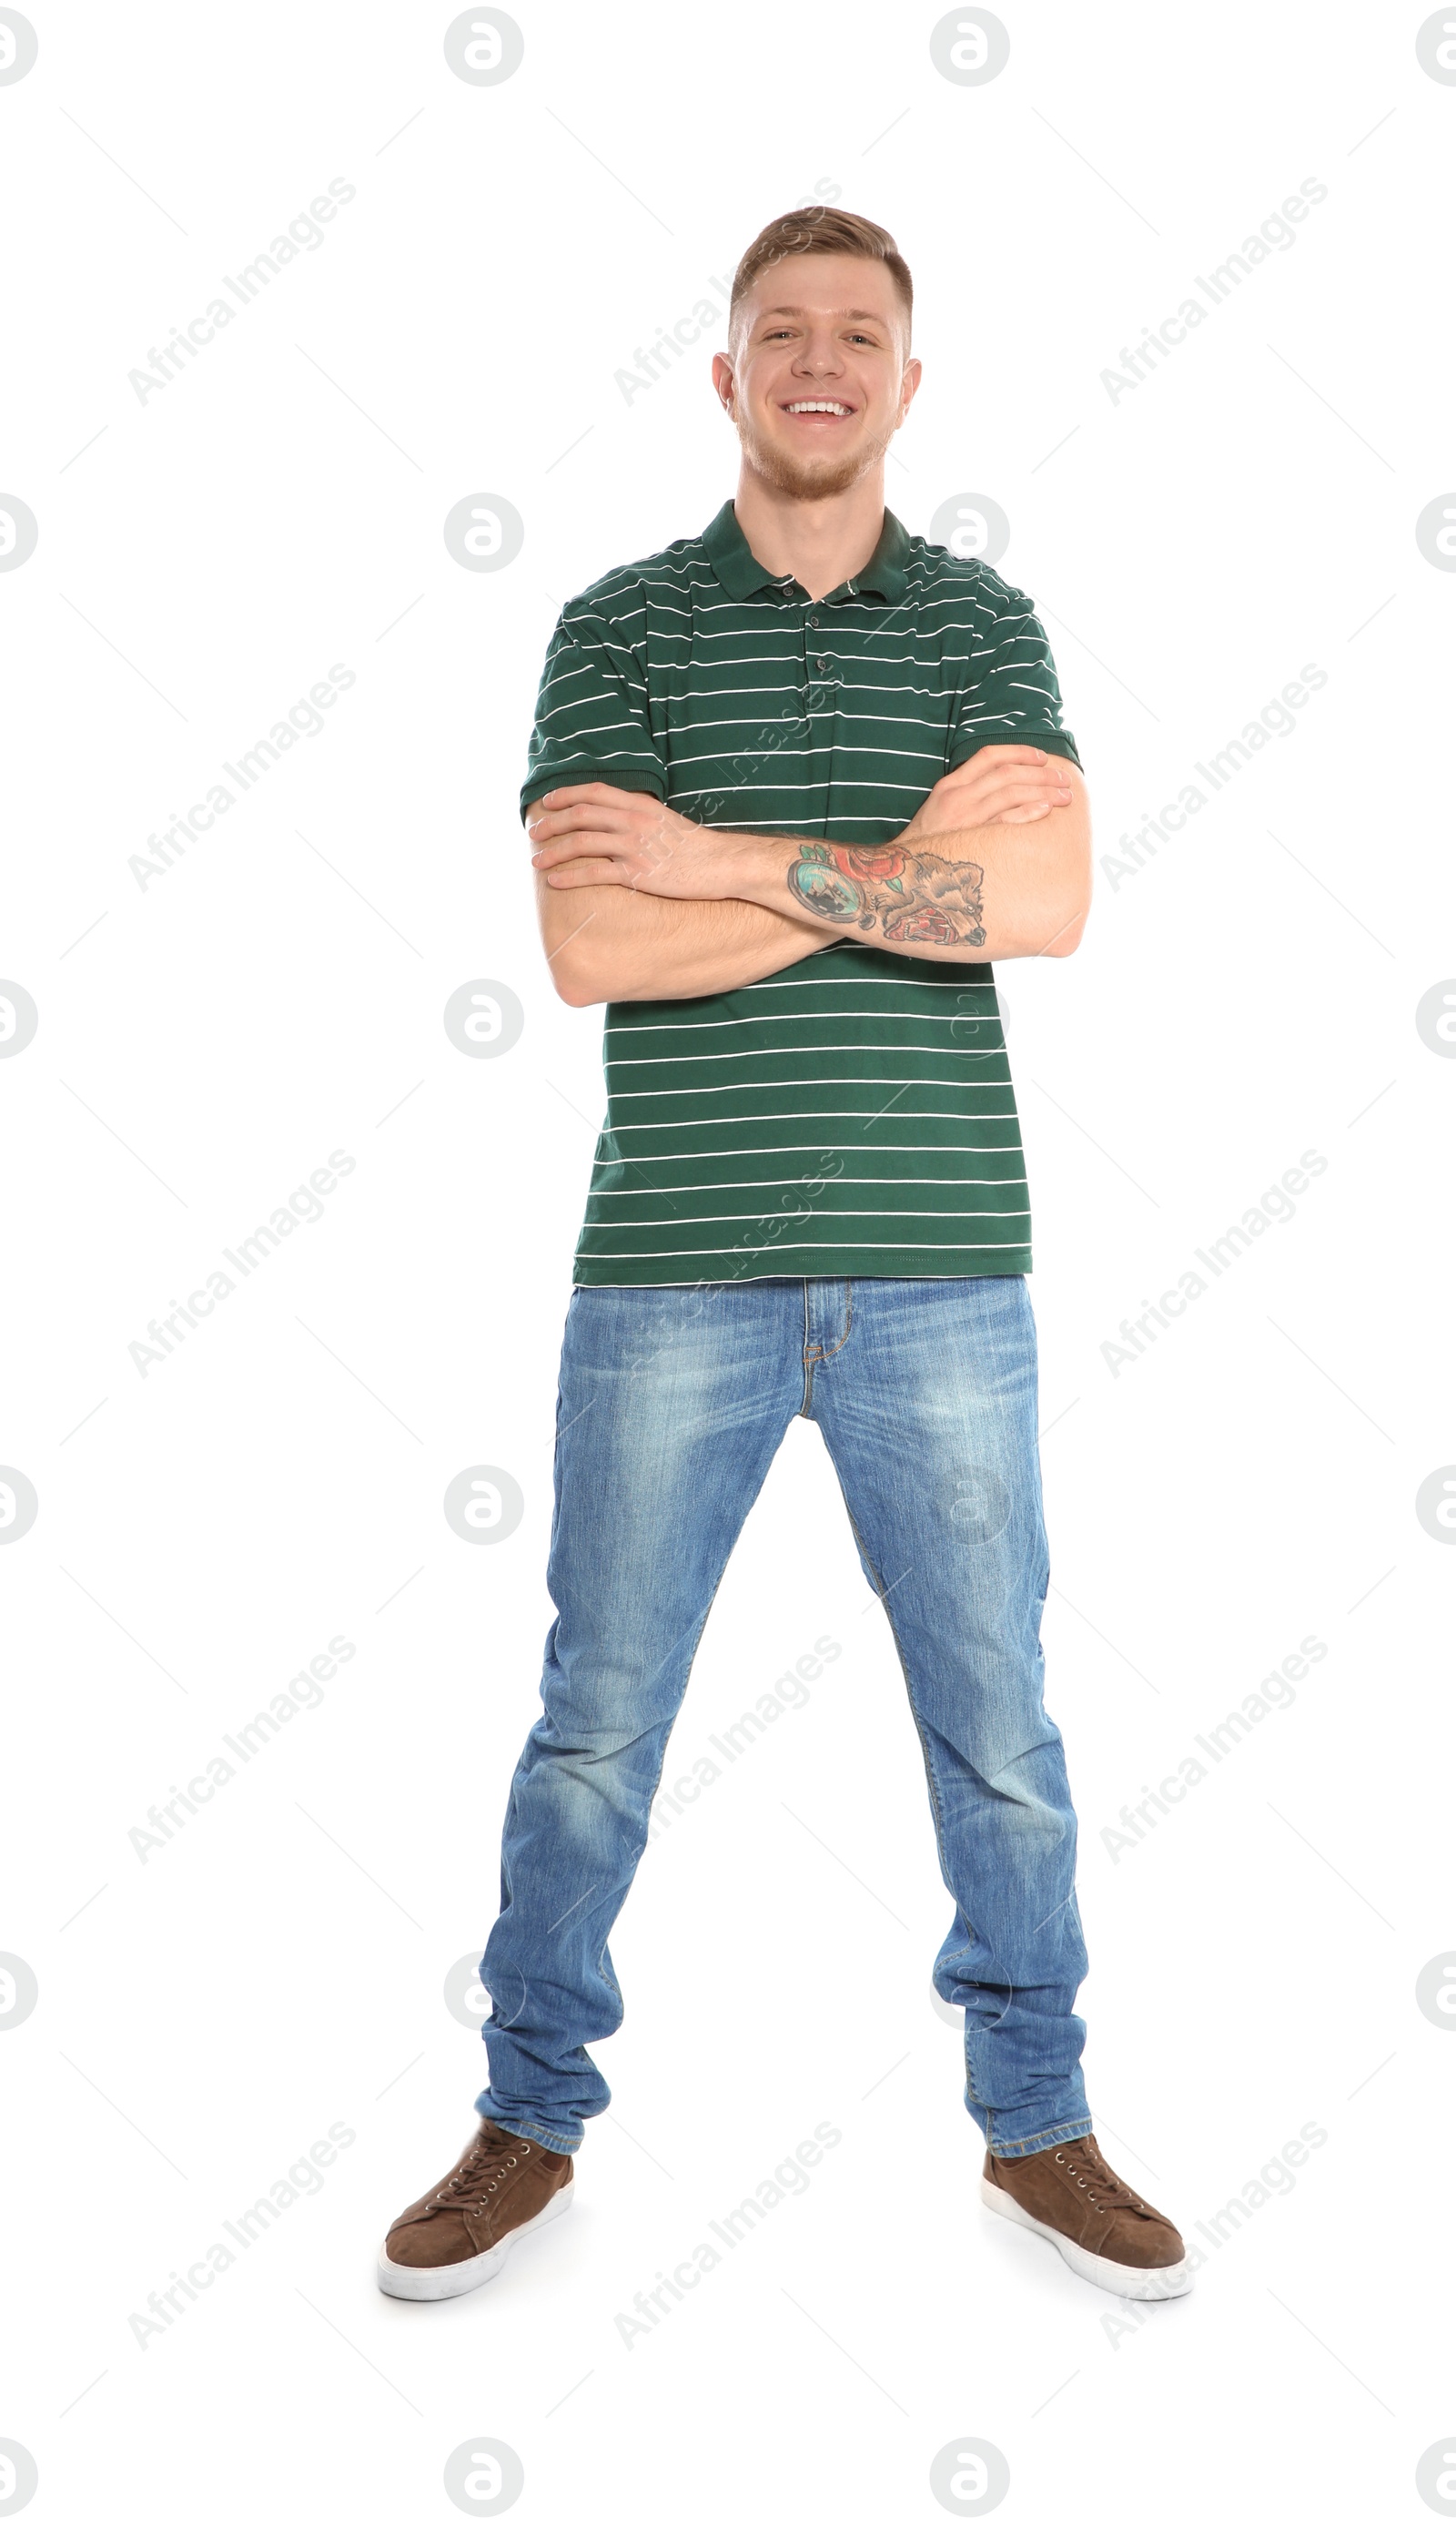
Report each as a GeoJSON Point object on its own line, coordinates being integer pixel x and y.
{"type": "Point", "coordinates": [853, 1114]}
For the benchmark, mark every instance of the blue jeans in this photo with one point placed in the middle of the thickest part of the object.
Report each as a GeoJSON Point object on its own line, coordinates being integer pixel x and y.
{"type": "Point", "coordinates": [672, 1406]}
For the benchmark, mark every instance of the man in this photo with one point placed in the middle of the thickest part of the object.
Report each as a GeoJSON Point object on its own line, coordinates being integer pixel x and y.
{"type": "Point", "coordinates": [794, 781]}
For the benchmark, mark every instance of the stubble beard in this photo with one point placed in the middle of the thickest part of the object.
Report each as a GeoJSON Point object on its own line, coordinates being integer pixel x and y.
{"type": "Point", "coordinates": [809, 476]}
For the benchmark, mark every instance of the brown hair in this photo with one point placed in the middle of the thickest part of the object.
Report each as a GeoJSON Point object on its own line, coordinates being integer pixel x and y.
{"type": "Point", "coordinates": [818, 230]}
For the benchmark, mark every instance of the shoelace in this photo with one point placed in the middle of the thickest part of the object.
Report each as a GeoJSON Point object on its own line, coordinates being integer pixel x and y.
{"type": "Point", "coordinates": [474, 2181]}
{"type": "Point", "coordinates": [1120, 2196]}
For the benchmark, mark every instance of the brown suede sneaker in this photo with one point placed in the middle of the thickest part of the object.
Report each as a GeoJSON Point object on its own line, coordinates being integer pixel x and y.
{"type": "Point", "coordinates": [459, 2232]}
{"type": "Point", "coordinates": [1104, 2230]}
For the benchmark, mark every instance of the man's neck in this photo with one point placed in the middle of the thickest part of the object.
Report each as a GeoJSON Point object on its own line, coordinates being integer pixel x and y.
{"type": "Point", "coordinates": [819, 542]}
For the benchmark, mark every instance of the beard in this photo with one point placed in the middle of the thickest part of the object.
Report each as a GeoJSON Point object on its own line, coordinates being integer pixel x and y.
{"type": "Point", "coordinates": [811, 476]}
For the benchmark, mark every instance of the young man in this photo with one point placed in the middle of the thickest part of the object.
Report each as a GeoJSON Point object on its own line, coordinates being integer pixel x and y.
{"type": "Point", "coordinates": [793, 784]}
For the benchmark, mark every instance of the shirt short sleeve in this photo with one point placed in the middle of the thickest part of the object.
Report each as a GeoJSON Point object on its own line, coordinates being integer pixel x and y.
{"type": "Point", "coordinates": [591, 719]}
{"type": "Point", "coordinates": [1011, 695]}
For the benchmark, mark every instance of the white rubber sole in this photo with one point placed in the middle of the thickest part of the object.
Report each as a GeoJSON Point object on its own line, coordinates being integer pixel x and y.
{"type": "Point", "coordinates": [455, 2279]}
{"type": "Point", "coordinates": [1125, 2279]}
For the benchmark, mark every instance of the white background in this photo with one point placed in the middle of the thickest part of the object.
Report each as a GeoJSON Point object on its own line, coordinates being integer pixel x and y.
{"type": "Point", "coordinates": [206, 1040]}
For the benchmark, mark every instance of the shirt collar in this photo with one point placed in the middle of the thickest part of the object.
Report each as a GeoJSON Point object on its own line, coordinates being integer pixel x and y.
{"type": "Point", "coordinates": [742, 575]}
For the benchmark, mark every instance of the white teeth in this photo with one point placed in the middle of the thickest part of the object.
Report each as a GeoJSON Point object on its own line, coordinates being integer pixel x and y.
{"type": "Point", "coordinates": [823, 405]}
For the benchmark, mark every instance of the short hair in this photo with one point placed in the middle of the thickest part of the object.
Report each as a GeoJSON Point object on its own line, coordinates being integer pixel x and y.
{"type": "Point", "coordinates": [818, 230]}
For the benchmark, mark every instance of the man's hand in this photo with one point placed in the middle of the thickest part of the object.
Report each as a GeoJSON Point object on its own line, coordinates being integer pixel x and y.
{"type": "Point", "coordinates": [593, 834]}
{"type": "Point", "coordinates": [609, 938]}
{"type": "Point", "coordinates": [1002, 785]}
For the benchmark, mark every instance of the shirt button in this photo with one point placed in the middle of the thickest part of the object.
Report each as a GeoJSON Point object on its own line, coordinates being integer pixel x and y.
{"type": "Point", "coordinates": [820, 666]}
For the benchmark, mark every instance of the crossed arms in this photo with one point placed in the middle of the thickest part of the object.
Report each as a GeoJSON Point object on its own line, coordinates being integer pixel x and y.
{"type": "Point", "coordinates": [638, 903]}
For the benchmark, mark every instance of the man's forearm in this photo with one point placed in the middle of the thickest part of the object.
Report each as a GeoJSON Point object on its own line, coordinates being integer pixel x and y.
{"type": "Point", "coordinates": [611, 942]}
{"type": "Point", "coordinates": [989, 890]}
{"type": "Point", "coordinates": [996, 863]}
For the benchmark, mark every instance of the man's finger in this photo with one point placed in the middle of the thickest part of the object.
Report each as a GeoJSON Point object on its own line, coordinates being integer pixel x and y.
{"type": "Point", "coordinates": [574, 846]}
{"type": "Point", "coordinates": [994, 773]}
{"type": "Point", "coordinates": [1019, 786]}
{"type": "Point", "coordinates": [989, 805]}
{"type": "Point", "coordinates": [600, 872]}
{"type": "Point", "coordinates": [998, 801]}
{"type": "Point", "coordinates": [586, 819]}
{"type": "Point", "coordinates": [1020, 776]}
{"type": "Point", "coordinates": [588, 872]}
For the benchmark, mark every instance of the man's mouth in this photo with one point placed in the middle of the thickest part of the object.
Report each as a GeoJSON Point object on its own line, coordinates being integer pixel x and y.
{"type": "Point", "coordinates": [818, 411]}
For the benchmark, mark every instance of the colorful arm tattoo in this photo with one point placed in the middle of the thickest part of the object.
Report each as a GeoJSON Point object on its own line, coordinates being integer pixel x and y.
{"type": "Point", "coordinates": [913, 897]}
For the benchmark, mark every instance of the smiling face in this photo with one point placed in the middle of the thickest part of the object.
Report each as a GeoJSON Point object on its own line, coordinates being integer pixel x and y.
{"type": "Point", "coordinates": [819, 381]}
